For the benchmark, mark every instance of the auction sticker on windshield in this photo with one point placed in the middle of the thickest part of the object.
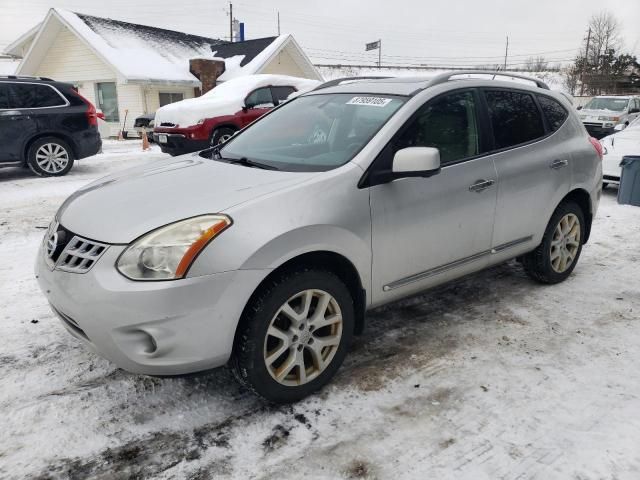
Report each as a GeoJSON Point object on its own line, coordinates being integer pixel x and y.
{"type": "Point", "coordinates": [370, 101]}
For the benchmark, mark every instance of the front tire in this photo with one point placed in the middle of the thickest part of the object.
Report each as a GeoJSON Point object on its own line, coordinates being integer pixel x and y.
{"type": "Point", "coordinates": [294, 335]}
{"type": "Point", "coordinates": [557, 255]}
{"type": "Point", "coordinates": [221, 135]}
{"type": "Point", "coordinates": [50, 157]}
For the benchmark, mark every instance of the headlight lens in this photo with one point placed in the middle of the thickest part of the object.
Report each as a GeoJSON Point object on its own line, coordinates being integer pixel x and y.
{"type": "Point", "coordinates": [201, 121]}
{"type": "Point", "coordinates": [168, 252]}
{"type": "Point", "coordinates": [607, 118]}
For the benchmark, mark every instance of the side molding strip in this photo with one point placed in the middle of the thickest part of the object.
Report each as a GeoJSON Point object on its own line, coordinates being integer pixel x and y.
{"type": "Point", "coordinates": [449, 266]}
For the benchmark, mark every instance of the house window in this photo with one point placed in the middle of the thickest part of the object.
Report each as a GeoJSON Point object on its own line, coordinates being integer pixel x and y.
{"type": "Point", "coordinates": [107, 99]}
{"type": "Point", "coordinates": [167, 98]}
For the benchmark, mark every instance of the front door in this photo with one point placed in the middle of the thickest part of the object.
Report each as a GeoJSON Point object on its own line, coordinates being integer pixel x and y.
{"type": "Point", "coordinates": [428, 230]}
{"type": "Point", "coordinates": [257, 103]}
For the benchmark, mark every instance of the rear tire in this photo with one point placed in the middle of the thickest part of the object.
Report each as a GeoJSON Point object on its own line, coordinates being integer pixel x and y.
{"type": "Point", "coordinates": [50, 157]}
{"type": "Point", "coordinates": [284, 357]}
{"type": "Point", "coordinates": [221, 135]}
{"type": "Point", "coordinates": [557, 255]}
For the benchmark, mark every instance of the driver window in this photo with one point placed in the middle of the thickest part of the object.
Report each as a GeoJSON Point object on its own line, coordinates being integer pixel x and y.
{"type": "Point", "coordinates": [447, 123]}
{"type": "Point", "coordinates": [260, 98]}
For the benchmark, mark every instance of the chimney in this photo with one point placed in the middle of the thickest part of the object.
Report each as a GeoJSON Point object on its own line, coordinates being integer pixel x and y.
{"type": "Point", "coordinates": [207, 71]}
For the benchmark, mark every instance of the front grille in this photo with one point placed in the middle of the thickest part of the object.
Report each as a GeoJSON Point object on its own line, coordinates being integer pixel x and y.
{"type": "Point", "coordinates": [64, 250]}
{"type": "Point", "coordinates": [80, 255]}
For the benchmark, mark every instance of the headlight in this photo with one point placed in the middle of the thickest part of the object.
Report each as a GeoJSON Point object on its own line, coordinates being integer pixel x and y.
{"type": "Point", "coordinates": [604, 149]}
{"type": "Point", "coordinates": [606, 118]}
{"type": "Point", "coordinates": [201, 121]}
{"type": "Point", "coordinates": [582, 117]}
{"type": "Point", "coordinates": [168, 252]}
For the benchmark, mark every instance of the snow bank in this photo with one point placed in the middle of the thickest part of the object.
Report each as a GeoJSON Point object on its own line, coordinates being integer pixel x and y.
{"type": "Point", "coordinates": [226, 99]}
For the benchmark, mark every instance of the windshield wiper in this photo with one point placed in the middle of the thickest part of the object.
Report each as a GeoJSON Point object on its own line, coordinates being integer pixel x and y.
{"type": "Point", "coordinates": [240, 161]}
{"type": "Point", "coordinates": [249, 163]}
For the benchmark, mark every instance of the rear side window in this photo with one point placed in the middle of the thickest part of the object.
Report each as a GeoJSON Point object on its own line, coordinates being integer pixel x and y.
{"type": "Point", "coordinates": [280, 94]}
{"type": "Point", "coordinates": [30, 95]}
{"type": "Point", "coordinates": [553, 111]}
{"type": "Point", "coordinates": [515, 118]}
{"type": "Point", "coordinates": [4, 96]}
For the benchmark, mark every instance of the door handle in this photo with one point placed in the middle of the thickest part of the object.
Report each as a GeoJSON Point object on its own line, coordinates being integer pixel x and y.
{"type": "Point", "coordinates": [558, 164]}
{"type": "Point", "coordinates": [481, 185]}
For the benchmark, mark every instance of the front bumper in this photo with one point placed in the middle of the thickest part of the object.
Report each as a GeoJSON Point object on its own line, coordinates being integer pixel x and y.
{"type": "Point", "coordinates": [611, 169]}
{"type": "Point", "coordinates": [599, 130]}
{"type": "Point", "coordinates": [155, 328]}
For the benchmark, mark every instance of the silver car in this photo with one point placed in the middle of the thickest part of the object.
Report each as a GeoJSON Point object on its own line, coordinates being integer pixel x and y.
{"type": "Point", "coordinates": [266, 252]}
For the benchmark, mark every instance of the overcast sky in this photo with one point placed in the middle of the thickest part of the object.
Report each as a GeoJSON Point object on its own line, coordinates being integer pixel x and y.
{"type": "Point", "coordinates": [335, 31]}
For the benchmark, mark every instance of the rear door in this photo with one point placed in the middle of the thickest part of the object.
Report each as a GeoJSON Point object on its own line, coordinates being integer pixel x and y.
{"type": "Point", "coordinates": [532, 159]}
{"type": "Point", "coordinates": [17, 124]}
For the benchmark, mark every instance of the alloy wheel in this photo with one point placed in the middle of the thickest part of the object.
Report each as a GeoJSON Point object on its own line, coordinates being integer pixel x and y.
{"type": "Point", "coordinates": [303, 337]}
{"type": "Point", "coordinates": [565, 243]}
{"type": "Point", "coordinates": [52, 158]}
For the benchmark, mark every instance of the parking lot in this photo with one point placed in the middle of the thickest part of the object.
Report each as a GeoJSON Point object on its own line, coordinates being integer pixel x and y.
{"type": "Point", "coordinates": [493, 376]}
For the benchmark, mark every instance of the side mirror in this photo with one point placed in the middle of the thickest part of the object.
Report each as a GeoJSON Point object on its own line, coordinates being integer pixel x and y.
{"type": "Point", "coordinates": [409, 162]}
{"type": "Point", "coordinates": [634, 110]}
{"type": "Point", "coordinates": [416, 162]}
{"type": "Point", "coordinates": [579, 108]}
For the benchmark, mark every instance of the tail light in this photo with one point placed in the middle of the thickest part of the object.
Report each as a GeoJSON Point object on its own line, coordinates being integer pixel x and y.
{"type": "Point", "coordinates": [92, 113]}
{"type": "Point", "coordinates": [598, 146]}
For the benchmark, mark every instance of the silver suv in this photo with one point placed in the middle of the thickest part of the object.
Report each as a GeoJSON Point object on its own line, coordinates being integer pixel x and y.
{"type": "Point", "coordinates": [267, 251]}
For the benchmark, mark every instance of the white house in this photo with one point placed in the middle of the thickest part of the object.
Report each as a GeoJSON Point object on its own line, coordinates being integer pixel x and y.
{"type": "Point", "coordinates": [128, 70]}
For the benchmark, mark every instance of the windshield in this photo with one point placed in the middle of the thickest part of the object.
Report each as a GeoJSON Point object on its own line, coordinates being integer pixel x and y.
{"type": "Point", "coordinates": [313, 133]}
{"type": "Point", "coordinates": [613, 104]}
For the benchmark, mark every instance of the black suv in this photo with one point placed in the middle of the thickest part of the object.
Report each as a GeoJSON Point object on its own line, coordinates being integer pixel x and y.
{"type": "Point", "coordinates": [45, 125]}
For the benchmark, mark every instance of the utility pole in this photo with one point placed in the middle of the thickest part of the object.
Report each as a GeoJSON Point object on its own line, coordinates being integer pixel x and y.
{"type": "Point", "coordinates": [278, 22]}
{"type": "Point", "coordinates": [230, 22]}
{"type": "Point", "coordinates": [506, 53]}
{"type": "Point", "coordinates": [584, 64]}
{"type": "Point", "coordinates": [379, 53]}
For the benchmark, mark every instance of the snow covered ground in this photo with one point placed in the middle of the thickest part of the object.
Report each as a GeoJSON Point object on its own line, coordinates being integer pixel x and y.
{"type": "Point", "coordinates": [491, 377]}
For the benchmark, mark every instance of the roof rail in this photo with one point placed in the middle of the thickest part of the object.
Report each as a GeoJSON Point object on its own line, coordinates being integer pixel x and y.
{"type": "Point", "coordinates": [27, 77]}
{"type": "Point", "coordinates": [445, 77]}
{"type": "Point", "coordinates": [338, 81]}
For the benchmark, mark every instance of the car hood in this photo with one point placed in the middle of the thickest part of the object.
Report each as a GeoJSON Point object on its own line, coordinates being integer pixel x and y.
{"type": "Point", "coordinates": [594, 113]}
{"type": "Point", "coordinates": [627, 142]}
{"type": "Point", "coordinates": [121, 207]}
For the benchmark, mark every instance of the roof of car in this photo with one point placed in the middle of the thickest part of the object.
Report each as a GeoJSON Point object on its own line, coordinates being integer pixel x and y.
{"type": "Point", "coordinates": [409, 86]}
{"type": "Point", "coordinates": [24, 79]}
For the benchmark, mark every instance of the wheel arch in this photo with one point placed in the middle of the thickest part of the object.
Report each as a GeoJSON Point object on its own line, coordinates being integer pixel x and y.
{"type": "Point", "coordinates": [68, 140]}
{"type": "Point", "coordinates": [583, 199]}
{"type": "Point", "coordinates": [334, 262]}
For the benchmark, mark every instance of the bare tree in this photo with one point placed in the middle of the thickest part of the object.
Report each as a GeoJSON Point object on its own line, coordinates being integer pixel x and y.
{"type": "Point", "coordinates": [536, 64]}
{"type": "Point", "coordinates": [605, 36]}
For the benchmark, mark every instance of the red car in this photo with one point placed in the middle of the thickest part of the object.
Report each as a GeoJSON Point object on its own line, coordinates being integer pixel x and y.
{"type": "Point", "coordinates": [198, 123]}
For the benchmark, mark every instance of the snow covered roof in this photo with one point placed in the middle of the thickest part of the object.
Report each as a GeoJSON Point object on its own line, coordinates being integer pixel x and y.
{"type": "Point", "coordinates": [8, 66]}
{"type": "Point", "coordinates": [141, 53]}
